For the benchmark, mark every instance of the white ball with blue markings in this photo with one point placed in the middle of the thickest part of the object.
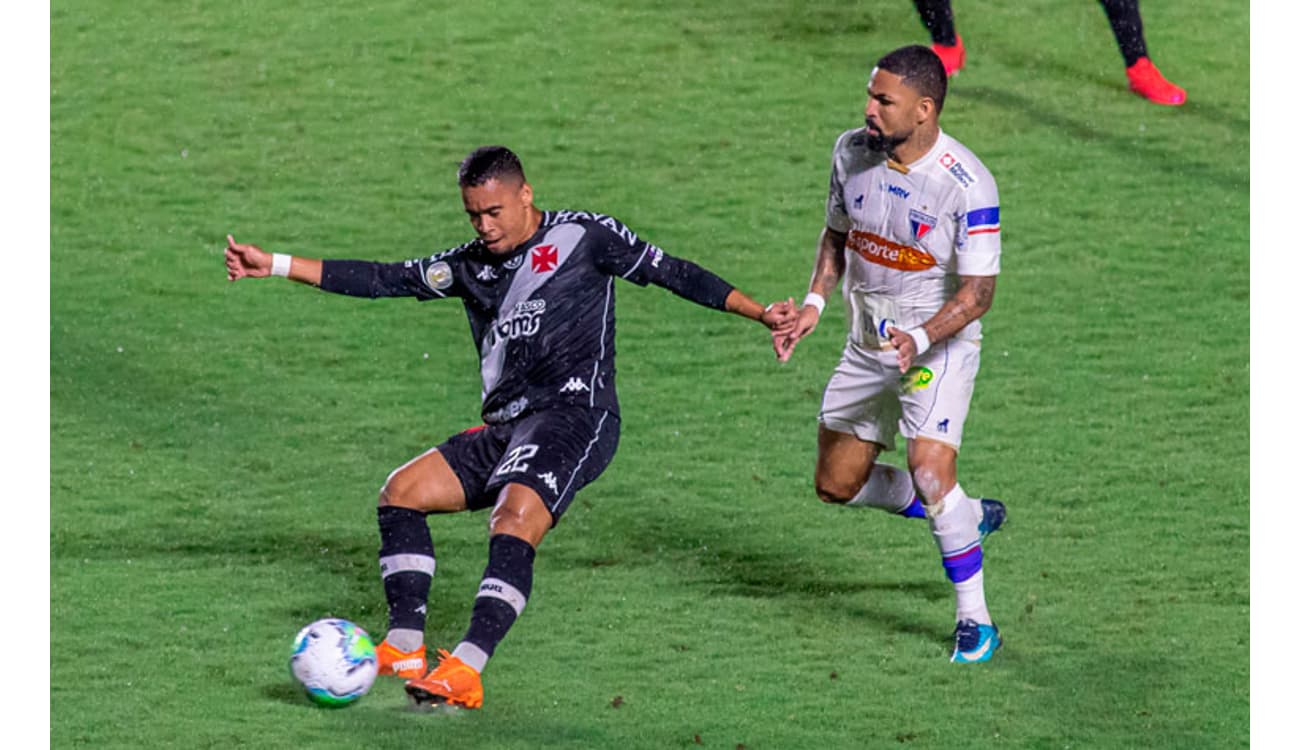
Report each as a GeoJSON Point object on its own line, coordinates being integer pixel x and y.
{"type": "Point", "coordinates": [334, 660]}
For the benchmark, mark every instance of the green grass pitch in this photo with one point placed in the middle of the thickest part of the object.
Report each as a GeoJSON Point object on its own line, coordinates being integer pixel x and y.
{"type": "Point", "coordinates": [216, 449]}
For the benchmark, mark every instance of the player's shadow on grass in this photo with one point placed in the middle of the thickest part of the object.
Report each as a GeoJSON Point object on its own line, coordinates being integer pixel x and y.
{"type": "Point", "coordinates": [741, 564]}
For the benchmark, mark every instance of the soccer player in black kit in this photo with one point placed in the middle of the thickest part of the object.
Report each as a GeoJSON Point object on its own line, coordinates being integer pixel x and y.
{"type": "Point", "coordinates": [538, 289]}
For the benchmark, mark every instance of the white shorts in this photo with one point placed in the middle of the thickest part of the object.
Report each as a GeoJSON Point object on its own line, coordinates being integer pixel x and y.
{"type": "Point", "coordinates": [868, 398]}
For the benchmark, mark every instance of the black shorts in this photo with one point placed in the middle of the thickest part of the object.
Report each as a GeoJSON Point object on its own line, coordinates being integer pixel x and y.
{"type": "Point", "coordinates": [555, 452]}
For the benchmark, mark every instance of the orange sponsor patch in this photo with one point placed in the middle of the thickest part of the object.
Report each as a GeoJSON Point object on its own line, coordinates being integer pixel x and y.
{"type": "Point", "coordinates": [877, 249]}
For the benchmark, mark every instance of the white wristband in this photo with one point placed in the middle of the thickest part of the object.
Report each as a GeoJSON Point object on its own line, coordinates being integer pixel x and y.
{"type": "Point", "coordinates": [280, 264]}
{"type": "Point", "coordinates": [816, 300]}
{"type": "Point", "coordinates": [922, 339]}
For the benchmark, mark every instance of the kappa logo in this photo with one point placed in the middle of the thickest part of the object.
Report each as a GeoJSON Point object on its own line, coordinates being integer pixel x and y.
{"type": "Point", "coordinates": [574, 386]}
{"type": "Point", "coordinates": [550, 481]}
{"type": "Point", "coordinates": [656, 256]}
{"type": "Point", "coordinates": [857, 202]}
{"type": "Point", "coordinates": [943, 426]}
{"type": "Point", "coordinates": [487, 274]}
{"type": "Point", "coordinates": [545, 258]}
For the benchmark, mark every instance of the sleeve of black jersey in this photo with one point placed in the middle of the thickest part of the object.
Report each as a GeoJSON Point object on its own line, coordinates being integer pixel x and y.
{"type": "Point", "coordinates": [642, 263]}
{"type": "Point", "coordinates": [426, 278]}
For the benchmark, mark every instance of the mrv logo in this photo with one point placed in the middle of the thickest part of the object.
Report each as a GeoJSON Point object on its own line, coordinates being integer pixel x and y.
{"type": "Point", "coordinates": [524, 320]}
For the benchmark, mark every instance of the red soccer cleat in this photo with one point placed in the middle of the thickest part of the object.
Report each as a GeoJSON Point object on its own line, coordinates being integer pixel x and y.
{"type": "Point", "coordinates": [1145, 80]}
{"type": "Point", "coordinates": [953, 57]}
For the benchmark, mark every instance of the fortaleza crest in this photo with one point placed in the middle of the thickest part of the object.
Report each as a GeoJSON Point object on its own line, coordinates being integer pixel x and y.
{"type": "Point", "coordinates": [916, 379]}
{"type": "Point", "coordinates": [921, 223]}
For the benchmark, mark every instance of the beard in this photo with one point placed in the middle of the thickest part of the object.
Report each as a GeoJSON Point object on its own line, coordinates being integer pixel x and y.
{"type": "Point", "coordinates": [880, 142]}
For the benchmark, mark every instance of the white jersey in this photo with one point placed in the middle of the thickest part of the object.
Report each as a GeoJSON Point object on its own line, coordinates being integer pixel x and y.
{"type": "Point", "coordinates": [911, 232]}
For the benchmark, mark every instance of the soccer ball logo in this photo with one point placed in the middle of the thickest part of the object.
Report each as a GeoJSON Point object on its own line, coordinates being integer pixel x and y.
{"type": "Point", "coordinates": [334, 660]}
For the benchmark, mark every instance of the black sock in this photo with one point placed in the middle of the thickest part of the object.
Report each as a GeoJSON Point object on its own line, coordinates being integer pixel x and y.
{"type": "Point", "coordinates": [406, 562]}
{"type": "Point", "coordinates": [937, 17]}
{"type": "Point", "coordinates": [1126, 24]}
{"type": "Point", "coordinates": [507, 583]}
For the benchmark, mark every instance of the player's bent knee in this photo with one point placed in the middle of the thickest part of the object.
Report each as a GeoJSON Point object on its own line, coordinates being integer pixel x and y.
{"type": "Point", "coordinates": [835, 493]}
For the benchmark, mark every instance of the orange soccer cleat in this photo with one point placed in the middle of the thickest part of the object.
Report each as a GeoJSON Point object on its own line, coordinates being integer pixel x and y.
{"type": "Point", "coordinates": [453, 682]}
{"type": "Point", "coordinates": [404, 664]}
{"type": "Point", "coordinates": [1145, 80]}
{"type": "Point", "coordinates": [953, 57]}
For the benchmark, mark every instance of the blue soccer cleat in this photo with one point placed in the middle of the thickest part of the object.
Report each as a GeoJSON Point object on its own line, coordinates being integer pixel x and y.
{"type": "Point", "coordinates": [994, 515]}
{"type": "Point", "coordinates": [975, 642]}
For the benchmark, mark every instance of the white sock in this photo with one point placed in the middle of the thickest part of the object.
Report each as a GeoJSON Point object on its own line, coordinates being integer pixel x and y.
{"type": "Point", "coordinates": [888, 488]}
{"type": "Point", "coordinates": [970, 600]}
{"type": "Point", "coordinates": [954, 523]}
{"type": "Point", "coordinates": [472, 655]}
{"type": "Point", "coordinates": [404, 639]}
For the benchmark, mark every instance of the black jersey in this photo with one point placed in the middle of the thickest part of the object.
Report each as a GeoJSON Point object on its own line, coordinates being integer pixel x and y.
{"type": "Point", "coordinates": [542, 315]}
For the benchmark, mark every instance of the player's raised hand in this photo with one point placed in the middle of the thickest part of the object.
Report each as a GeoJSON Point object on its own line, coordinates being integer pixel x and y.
{"type": "Point", "coordinates": [784, 341]}
{"type": "Point", "coordinates": [245, 260]}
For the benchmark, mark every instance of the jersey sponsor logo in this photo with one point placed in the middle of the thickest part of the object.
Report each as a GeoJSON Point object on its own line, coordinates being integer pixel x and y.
{"type": "Point", "coordinates": [921, 223]}
{"type": "Point", "coordinates": [505, 413]}
{"type": "Point", "coordinates": [438, 275]}
{"type": "Point", "coordinates": [897, 191]}
{"type": "Point", "coordinates": [609, 222]}
{"type": "Point", "coordinates": [545, 258]}
{"type": "Point", "coordinates": [958, 172]}
{"type": "Point", "coordinates": [984, 221]}
{"type": "Point", "coordinates": [916, 379]}
{"type": "Point", "coordinates": [524, 320]}
{"type": "Point", "coordinates": [876, 249]}
{"type": "Point", "coordinates": [574, 385]}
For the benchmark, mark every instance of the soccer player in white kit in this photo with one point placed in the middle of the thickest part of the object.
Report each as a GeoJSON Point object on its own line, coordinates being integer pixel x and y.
{"type": "Point", "coordinates": [912, 229]}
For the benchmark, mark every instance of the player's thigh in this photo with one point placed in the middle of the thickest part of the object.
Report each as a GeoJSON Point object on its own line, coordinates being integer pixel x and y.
{"type": "Point", "coordinates": [861, 397]}
{"type": "Point", "coordinates": [426, 483]}
{"type": "Point", "coordinates": [844, 462]}
{"type": "Point", "coordinates": [936, 393]}
{"type": "Point", "coordinates": [556, 452]}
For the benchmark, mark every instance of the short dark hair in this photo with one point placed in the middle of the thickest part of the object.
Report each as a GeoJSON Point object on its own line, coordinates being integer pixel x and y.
{"type": "Point", "coordinates": [489, 163]}
{"type": "Point", "coordinates": [921, 70]}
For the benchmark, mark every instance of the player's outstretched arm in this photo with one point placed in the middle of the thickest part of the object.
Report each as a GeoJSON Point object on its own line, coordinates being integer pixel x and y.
{"type": "Point", "coordinates": [971, 300]}
{"type": "Point", "coordinates": [250, 261]}
{"type": "Point", "coordinates": [777, 316]}
{"type": "Point", "coordinates": [827, 269]}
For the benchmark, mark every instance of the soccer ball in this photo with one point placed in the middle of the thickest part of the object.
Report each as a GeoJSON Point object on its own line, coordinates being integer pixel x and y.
{"type": "Point", "coordinates": [335, 662]}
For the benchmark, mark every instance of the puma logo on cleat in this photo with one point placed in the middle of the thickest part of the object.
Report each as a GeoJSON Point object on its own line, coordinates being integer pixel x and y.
{"type": "Point", "coordinates": [404, 664]}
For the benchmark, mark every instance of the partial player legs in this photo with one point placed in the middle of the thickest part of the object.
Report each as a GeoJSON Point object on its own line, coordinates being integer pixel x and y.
{"type": "Point", "coordinates": [955, 520]}
{"type": "Point", "coordinates": [519, 522]}
{"type": "Point", "coordinates": [406, 557]}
